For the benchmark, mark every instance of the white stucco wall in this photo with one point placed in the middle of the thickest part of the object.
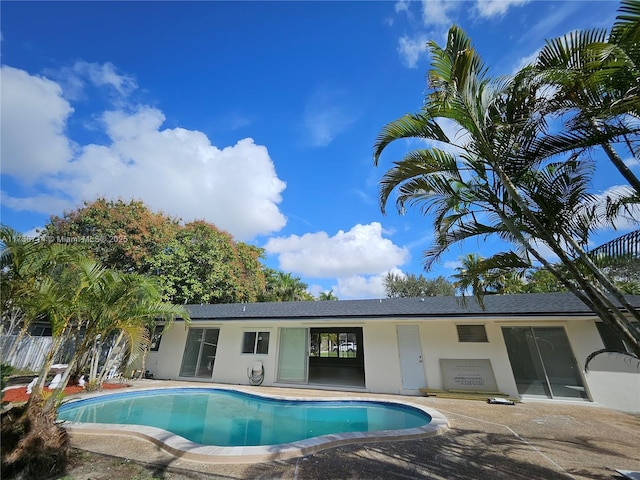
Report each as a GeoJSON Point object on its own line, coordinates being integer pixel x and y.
{"type": "Point", "coordinates": [440, 341]}
{"type": "Point", "coordinates": [381, 358]}
{"type": "Point", "coordinates": [610, 382]}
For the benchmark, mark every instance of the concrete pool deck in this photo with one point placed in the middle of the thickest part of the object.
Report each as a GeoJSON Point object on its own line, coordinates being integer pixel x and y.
{"type": "Point", "coordinates": [545, 440]}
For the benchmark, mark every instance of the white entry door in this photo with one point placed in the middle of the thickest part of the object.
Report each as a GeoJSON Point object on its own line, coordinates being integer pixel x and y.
{"type": "Point", "coordinates": [411, 364]}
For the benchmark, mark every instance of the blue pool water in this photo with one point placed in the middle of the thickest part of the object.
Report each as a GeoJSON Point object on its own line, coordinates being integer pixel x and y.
{"type": "Point", "coordinates": [229, 418]}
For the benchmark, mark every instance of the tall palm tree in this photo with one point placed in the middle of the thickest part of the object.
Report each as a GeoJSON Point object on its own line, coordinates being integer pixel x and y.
{"type": "Point", "coordinates": [486, 181]}
{"type": "Point", "coordinates": [594, 75]}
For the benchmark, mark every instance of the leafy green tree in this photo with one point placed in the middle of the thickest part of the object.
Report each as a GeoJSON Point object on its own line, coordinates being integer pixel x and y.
{"type": "Point", "coordinates": [120, 235]}
{"type": "Point", "coordinates": [194, 260]}
{"type": "Point", "coordinates": [411, 285]}
{"type": "Point", "coordinates": [203, 265]}
{"type": "Point", "coordinates": [491, 180]}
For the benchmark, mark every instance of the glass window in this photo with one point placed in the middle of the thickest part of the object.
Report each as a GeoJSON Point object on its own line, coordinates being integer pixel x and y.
{"type": "Point", "coordinates": [156, 336]}
{"type": "Point", "coordinates": [248, 342]}
{"type": "Point", "coordinates": [255, 342]}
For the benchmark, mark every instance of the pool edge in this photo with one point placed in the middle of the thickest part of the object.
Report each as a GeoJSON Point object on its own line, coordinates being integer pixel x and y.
{"type": "Point", "coordinates": [181, 448]}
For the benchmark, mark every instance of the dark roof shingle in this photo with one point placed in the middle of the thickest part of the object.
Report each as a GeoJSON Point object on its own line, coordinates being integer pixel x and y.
{"type": "Point", "coordinates": [536, 304]}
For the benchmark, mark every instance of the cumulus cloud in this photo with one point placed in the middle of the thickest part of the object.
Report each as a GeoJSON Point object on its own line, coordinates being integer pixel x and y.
{"type": "Point", "coordinates": [359, 286]}
{"type": "Point", "coordinates": [412, 49]}
{"type": "Point", "coordinates": [496, 8]}
{"type": "Point", "coordinates": [34, 119]}
{"type": "Point", "coordinates": [175, 170]}
{"type": "Point", "coordinates": [436, 12]}
{"type": "Point", "coordinates": [359, 251]}
{"type": "Point", "coordinates": [326, 115]}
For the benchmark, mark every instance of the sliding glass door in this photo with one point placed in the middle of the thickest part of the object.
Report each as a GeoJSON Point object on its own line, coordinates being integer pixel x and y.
{"type": "Point", "coordinates": [294, 355]}
{"type": "Point", "coordinates": [543, 363]}
{"type": "Point", "coordinates": [200, 353]}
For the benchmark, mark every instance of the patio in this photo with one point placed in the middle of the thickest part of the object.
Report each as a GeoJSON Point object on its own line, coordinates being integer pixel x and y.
{"type": "Point", "coordinates": [529, 440]}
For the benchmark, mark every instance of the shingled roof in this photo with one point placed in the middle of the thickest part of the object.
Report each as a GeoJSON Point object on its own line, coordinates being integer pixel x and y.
{"type": "Point", "coordinates": [532, 304]}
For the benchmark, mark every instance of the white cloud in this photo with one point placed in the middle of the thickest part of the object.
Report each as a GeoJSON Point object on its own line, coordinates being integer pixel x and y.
{"type": "Point", "coordinates": [359, 286]}
{"type": "Point", "coordinates": [452, 265]}
{"type": "Point", "coordinates": [40, 203]}
{"type": "Point", "coordinates": [402, 6]}
{"type": "Point", "coordinates": [411, 50]}
{"type": "Point", "coordinates": [34, 118]}
{"type": "Point", "coordinates": [496, 8]}
{"type": "Point", "coordinates": [436, 12]}
{"type": "Point", "coordinates": [326, 115]}
{"type": "Point", "coordinates": [176, 170]}
{"type": "Point", "coordinates": [105, 74]}
{"type": "Point", "coordinates": [632, 162]}
{"type": "Point", "coordinates": [524, 61]}
{"type": "Point", "coordinates": [360, 251]}
{"type": "Point", "coordinates": [627, 220]}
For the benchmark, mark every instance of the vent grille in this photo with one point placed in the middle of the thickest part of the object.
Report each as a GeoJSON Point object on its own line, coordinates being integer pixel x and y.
{"type": "Point", "coordinates": [472, 333]}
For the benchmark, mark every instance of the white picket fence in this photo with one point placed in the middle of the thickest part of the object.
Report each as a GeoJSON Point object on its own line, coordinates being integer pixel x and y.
{"type": "Point", "coordinates": [30, 353]}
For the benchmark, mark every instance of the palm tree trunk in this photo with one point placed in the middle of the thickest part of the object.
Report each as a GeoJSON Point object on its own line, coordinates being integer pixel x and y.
{"type": "Point", "coordinates": [624, 170]}
{"type": "Point", "coordinates": [597, 300]}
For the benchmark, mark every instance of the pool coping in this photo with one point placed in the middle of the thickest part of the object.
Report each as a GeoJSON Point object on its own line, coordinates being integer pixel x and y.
{"type": "Point", "coordinates": [182, 448]}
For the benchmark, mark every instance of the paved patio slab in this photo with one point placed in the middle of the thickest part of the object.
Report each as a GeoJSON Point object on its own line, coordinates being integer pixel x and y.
{"type": "Point", "coordinates": [533, 440]}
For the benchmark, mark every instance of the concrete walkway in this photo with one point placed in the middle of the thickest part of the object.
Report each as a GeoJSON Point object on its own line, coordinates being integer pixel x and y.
{"type": "Point", "coordinates": [535, 440]}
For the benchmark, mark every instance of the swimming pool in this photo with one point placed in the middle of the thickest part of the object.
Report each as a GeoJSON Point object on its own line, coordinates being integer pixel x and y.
{"type": "Point", "coordinates": [214, 424]}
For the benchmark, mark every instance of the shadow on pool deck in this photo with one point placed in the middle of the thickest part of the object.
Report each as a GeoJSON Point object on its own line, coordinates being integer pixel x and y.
{"type": "Point", "coordinates": [525, 441]}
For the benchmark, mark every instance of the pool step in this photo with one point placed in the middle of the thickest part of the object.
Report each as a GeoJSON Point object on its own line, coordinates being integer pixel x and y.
{"type": "Point", "coordinates": [466, 395]}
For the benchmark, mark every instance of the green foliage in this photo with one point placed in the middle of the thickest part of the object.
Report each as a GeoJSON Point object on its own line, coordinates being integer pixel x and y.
{"type": "Point", "coordinates": [411, 285]}
{"type": "Point", "coordinates": [506, 175]}
{"type": "Point", "coordinates": [197, 263]}
{"type": "Point", "coordinates": [284, 287]}
{"type": "Point", "coordinates": [203, 265]}
{"type": "Point", "coordinates": [542, 280]}
{"type": "Point", "coordinates": [123, 236]}
{"type": "Point", "coordinates": [327, 296]}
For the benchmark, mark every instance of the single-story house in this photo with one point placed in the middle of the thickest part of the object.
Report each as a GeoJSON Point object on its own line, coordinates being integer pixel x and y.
{"type": "Point", "coordinates": [531, 346]}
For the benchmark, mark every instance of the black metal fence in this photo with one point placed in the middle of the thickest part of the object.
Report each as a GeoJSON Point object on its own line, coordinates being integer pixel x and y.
{"type": "Point", "coordinates": [625, 246]}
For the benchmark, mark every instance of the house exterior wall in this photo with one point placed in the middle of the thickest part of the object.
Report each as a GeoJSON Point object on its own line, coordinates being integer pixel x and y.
{"type": "Point", "coordinates": [440, 341]}
{"type": "Point", "coordinates": [381, 357]}
{"type": "Point", "coordinates": [610, 382]}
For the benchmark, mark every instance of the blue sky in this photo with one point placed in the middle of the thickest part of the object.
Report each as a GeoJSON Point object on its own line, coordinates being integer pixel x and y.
{"type": "Point", "coordinates": [259, 117]}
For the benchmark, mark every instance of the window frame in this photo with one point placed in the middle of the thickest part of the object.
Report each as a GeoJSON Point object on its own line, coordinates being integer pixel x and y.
{"type": "Point", "coordinates": [258, 341]}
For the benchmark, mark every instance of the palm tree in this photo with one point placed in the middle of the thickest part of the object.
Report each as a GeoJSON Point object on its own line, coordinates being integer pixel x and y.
{"type": "Point", "coordinates": [327, 296]}
{"type": "Point", "coordinates": [119, 311]}
{"type": "Point", "coordinates": [486, 182]}
{"type": "Point", "coordinates": [284, 287]}
{"type": "Point", "coordinates": [594, 75]}
{"type": "Point", "coordinates": [82, 301]}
